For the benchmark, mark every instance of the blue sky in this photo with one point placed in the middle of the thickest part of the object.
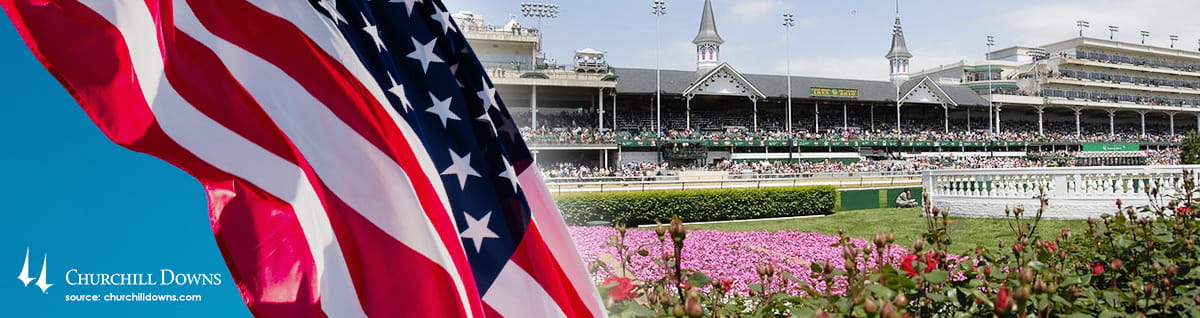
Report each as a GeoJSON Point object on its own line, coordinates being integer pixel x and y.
{"type": "Point", "coordinates": [73, 195]}
{"type": "Point", "coordinates": [845, 39]}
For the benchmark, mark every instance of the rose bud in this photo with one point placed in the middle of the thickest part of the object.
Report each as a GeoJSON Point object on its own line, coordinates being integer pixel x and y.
{"type": "Point", "coordinates": [1026, 275]}
{"type": "Point", "coordinates": [1115, 265]}
{"type": "Point", "coordinates": [1097, 269]}
{"type": "Point", "coordinates": [870, 307]}
{"type": "Point", "coordinates": [900, 300]}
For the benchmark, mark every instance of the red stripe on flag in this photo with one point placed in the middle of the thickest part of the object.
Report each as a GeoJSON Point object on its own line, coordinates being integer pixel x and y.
{"type": "Point", "coordinates": [536, 259]}
{"type": "Point", "coordinates": [280, 43]}
{"type": "Point", "coordinates": [259, 236]}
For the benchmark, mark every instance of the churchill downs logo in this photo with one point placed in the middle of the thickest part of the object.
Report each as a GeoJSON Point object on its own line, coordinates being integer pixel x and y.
{"type": "Point", "coordinates": [163, 277]}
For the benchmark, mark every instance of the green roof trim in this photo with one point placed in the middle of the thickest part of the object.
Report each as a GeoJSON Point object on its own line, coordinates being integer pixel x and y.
{"type": "Point", "coordinates": [994, 85]}
{"type": "Point", "coordinates": [983, 69]}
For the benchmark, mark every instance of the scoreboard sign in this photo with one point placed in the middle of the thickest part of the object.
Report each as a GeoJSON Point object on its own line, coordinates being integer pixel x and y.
{"type": "Point", "coordinates": [833, 92]}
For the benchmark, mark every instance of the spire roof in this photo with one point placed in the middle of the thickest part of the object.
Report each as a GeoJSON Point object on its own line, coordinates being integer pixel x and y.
{"type": "Point", "coordinates": [899, 49]}
{"type": "Point", "coordinates": [708, 26]}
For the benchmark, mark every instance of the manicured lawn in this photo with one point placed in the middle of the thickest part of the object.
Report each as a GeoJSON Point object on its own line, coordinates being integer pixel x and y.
{"type": "Point", "coordinates": [966, 233]}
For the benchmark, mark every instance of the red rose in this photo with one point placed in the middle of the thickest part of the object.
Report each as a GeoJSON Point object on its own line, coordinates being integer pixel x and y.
{"type": "Point", "coordinates": [1183, 211]}
{"type": "Point", "coordinates": [1050, 246]}
{"type": "Point", "coordinates": [931, 262]}
{"type": "Point", "coordinates": [1002, 299]}
{"type": "Point", "coordinates": [622, 288]}
{"type": "Point", "coordinates": [907, 264]}
{"type": "Point", "coordinates": [1098, 269]}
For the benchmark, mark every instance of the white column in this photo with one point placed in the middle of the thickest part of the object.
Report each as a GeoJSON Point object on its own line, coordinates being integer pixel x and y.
{"type": "Point", "coordinates": [688, 112]}
{"type": "Point", "coordinates": [533, 107]}
{"type": "Point", "coordinates": [1112, 128]}
{"type": "Point", "coordinates": [873, 118]}
{"type": "Point", "coordinates": [1171, 117]}
{"type": "Point", "coordinates": [600, 108]}
{"type": "Point", "coordinates": [614, 111]}
{"type": "Point", "coordinates": [1078, 111]}
{"type": "Point", "coordinates": [1040, 111]}
{"type": "Point", "coordinates": [755, 102]}
{"type": "Point", "coordinates": [817, 117]}
{"type": "Point", "coordinates": [1143, 113]}
{"type": "Point", "coordinates": [946, 116]}
{"type": "Point", "coordinates": [998, 117]}
{"type": "Point", "coordinates": [845, 118]}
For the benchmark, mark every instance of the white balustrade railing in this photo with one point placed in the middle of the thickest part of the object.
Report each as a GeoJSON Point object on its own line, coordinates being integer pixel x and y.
{"type": "Point", "coordinates": [1075, 192]}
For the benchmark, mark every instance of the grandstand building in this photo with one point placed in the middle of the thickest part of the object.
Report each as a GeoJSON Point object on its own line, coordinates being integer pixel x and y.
{"type": "Point", "coordinates": [1096, 85]}
{"type": "Point", "coordinates": [586, 111]}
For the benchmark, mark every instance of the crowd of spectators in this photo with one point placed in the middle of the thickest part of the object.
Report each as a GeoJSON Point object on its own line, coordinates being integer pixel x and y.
{"type": "Point", "coordinates": [1168, 156]}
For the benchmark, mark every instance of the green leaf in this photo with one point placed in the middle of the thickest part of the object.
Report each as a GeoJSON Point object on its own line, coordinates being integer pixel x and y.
{"type": "Point", "coordinates": [638, 310]}
{"type": "Point", "coordinates": [937, 277]}
{"type": "Point", "coordinates": [757, 288]}
{"type": "Point", "coordinates": [643, 252]}
{"type": "Point", "coordinates": [883, 292]}
{"type": "Point", "coordinates": [699, 280]}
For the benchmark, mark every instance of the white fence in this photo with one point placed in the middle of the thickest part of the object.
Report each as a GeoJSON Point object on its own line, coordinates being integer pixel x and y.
{"type": "Point", "coordinates": [1073, 193]}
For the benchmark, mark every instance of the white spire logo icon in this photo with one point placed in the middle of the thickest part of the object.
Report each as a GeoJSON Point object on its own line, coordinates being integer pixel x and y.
{"type": "Point", "coordinates": [41, 280]}
{"type": "Point", "coordinates": [41, 283]}
{"type": "Point", "coordinates": [24, 276]}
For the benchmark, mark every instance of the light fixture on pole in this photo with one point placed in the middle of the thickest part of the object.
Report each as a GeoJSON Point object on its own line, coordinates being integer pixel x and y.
{"type": "Point", "coordinates": [991, 41]}
{"type": "Point", "coordinates": [1173, 39]}
{"type": "Point", "coordinates": [1144, 35]}
{"type": "Point", "coordinates": [658, 9]}
{"type": "Point", "coordinates": [539, 11]}
{"type": "Point", "coordinates": [1082, 24]}
{"type": "Point", "coordinates": [1112, 31]}
{"type": "Point", "coordinates": [788, 22]}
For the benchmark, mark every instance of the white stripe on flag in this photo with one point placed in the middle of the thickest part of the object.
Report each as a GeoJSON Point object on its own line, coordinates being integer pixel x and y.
{"type": "Point", "coordinates": [226, 150]}
{"type": "Point", "coordinates": [516, 294]}
{"type": "Point", "coordinates": [558, 240]}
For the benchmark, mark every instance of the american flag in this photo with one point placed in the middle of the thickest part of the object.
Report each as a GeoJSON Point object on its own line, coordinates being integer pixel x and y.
{"type": "Point", "coordinates": [357, 159]}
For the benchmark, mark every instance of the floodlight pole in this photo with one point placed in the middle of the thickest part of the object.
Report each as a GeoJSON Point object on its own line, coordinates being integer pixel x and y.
{"type": "Point", "coordinates": [788, 22]}
{"type": "Point", "coordinates": [658, 9]}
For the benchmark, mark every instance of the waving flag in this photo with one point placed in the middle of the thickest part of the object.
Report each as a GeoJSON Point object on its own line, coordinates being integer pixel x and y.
{"type": "Point", "coordinates": [357, 159]}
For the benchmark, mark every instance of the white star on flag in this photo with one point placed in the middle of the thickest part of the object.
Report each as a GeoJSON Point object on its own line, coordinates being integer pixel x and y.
{"type": "Point", "coordinates": [331, 7]}
{"type": "Point", "coordinates": [488, 96]}
{"type": "Point", "coordinates": [374, 33]}
{"type": "Point", "coordinates": [441, 108]}
{"type": "Point", "coordinates": [424, 53]}
{"type": "Point", "coordinates": [444, 18]}
{"type": "Point", "coordinates": [461, 167]}
{"type": "Point", "coordinates": [398, 90]}
{"type": "Point", "coordinates": [477, 230]}
{"type": "Point", "coordinates": [508, 173]}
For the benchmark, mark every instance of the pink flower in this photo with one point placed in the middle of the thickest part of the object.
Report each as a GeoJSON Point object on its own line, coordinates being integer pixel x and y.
{"type": "Point", "coordinates": [1098, 269]}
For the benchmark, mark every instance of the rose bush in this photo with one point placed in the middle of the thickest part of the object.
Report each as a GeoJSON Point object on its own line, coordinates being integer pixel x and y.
{"type": "Point", "coordinates": [1138, 261]}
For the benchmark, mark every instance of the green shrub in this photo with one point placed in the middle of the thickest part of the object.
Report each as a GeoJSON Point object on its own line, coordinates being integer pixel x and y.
{"type": "Point", "coordinates": [696, 205]}
{"type": "Point", "coordinates": [1190, 149]}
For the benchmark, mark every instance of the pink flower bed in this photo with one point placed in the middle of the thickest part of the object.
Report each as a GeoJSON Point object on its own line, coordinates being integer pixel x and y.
{"type": "Point", "coordinates": [728, 255]}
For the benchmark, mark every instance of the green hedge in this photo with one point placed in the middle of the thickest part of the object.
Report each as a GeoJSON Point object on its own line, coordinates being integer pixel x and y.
{"type": "Point", "coordinates": [634, 208]}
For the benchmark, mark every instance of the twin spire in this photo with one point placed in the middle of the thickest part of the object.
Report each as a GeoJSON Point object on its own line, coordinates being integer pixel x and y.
{"type": "Point", "coordinates": [708, 42]}
{"type": "Point", "coordinates": [708, 46]}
